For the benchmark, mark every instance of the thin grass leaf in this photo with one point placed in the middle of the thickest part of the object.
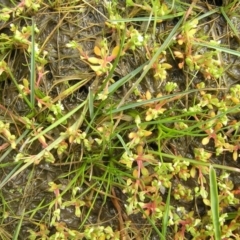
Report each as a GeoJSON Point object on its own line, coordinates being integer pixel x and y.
{"type": "Point", "coordinates": [148, 23]}
{"type": "Point", "coordinates": [208, 13]}
{"type": "Point", "coordinates": [71, 89]}
{"type": "Point", "coordinates": [172, 6]}
{"type": "Point", "coordinates": [90, 103]}
{"type": "Point", "coordinates": [166, 215]}
{"type": "Point", "coordinates": [6, 153]}
{"type": "Point", "coordinates": [108, 178]}
{"type": "Point", "coordinates": [59, 121]}
{"type": "Point", "coordinates": [235, 31]}
{"type": "Point", "coordinates": [19, 89]}
{"type": "Point", "coordinates": [146, 19]}
{"type": "Point", "coordinates": [9, 175]}
{"type": "Point", "coordinates": [221, 49]}
{"type": "Point", "coordinates": [153, 224]}
{"type": "Point", "coordinates": [155, 11]}
{"type": "Point", "coordinates": [115, 63]}
{"type": "Point", "coordinates": [138, 104]}
{"type": "Point", "coordinates": [111, 90]}
{"type": "Point", "coordinates": [79, 178]}
{"type": "Point", "coordinates": [195, 162]}
{"type": "Point", "coordinates": [32, 74]}
{"type": "Point", "coordinates": [93, 201]}
{"type": "Point", "coordinates": [125, 79]}
{"type": "Point", "coordinates": [17, 231]}
{"type": "Point", "coordinates": [36, 209]}
{"type": "Point", "coordinates": [123, 143]}
{"type": "Point", "coordinates": [214, 203]}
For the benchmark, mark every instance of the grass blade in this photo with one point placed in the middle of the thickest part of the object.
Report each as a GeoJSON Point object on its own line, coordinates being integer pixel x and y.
{"type": "Point", "coordinates": [195, 162]}
{"type": "Point", "coordinates": [165, 216]}
{"type": "Point", "coordinates": [218, 48]}
{"type": "Point", "coordinates": [90, 103]}
{"type": "Point", "coordinates": [214, 203]}
{"type": "Point", "coordinates": [17, 231]}
{"type": "Point", "coordinates": [19, 89]}
{"type": "Point", "coordinates": [125, 79]}
{"type": "Point", "coordinates": [32, 76]}
{"type": "Point", "coordinates": [58, 122]}
{"type": "Point", "coordinates": [151, 222]}
{"type": "Point", "coordinates": [146, 19]}
{"type": "Point", "coordinates": [5, 154]}
{"type": "Point", "coordinates": [142, 103]}
{"type": "Point", "coordinates": [229, 22]}
{"type": "Point", "coordinates": [123, 143]}
{"type": "Point", "coordinates": [9, 175]}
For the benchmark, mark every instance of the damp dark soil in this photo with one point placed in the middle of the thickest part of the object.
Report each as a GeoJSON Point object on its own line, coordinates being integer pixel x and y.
{"type": "Point", "coordinates": [29, 190]}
